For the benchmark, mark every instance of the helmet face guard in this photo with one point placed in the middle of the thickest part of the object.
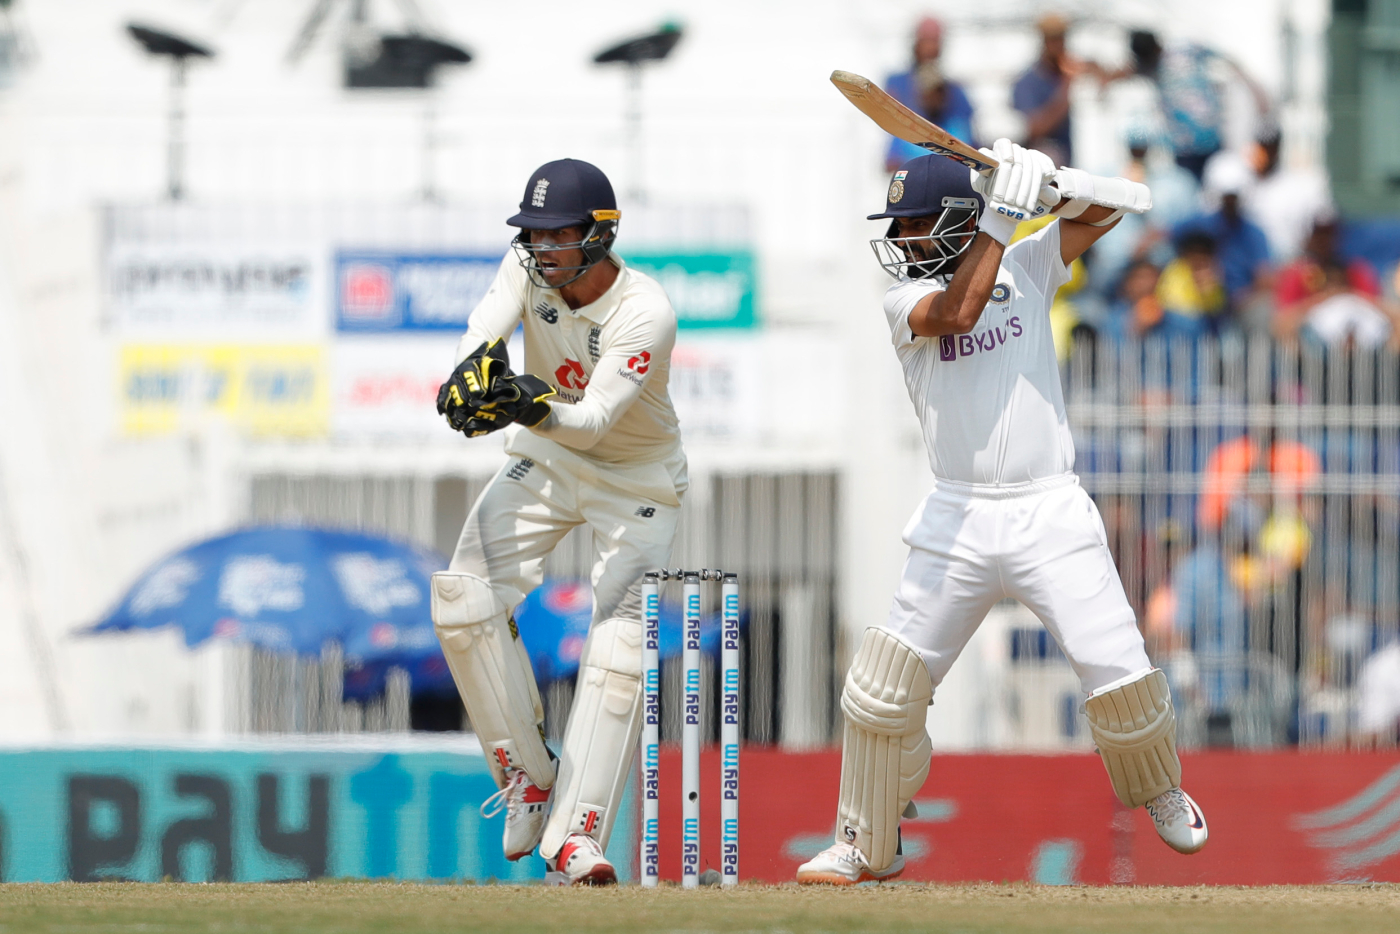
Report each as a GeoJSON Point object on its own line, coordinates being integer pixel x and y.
{"type": "Point", "coordinates": [595, 245]}
{"type": "Point", "coordinates": [930, 255]}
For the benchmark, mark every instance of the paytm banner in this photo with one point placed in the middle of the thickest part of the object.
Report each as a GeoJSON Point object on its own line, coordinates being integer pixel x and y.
{"type": "Point", "coordinates": [409, 291]}
{"type": "Point", "coordinates": [708, 290]}
{"type": "Point", "coordinates": [261, 812]}
{"type": "Point", "coordinates": [262, 389]}
{"type": "Point", "coordinates": [226, 289]}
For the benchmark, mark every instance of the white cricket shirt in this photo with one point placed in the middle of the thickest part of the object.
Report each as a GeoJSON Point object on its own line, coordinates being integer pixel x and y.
{"type": "Point", "coordinates": [990, 401]}
{"type": "Point", "coordinates": [609, 361]}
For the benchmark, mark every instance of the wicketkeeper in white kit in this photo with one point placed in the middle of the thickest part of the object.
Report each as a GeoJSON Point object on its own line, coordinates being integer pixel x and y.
{"type": "Point", "coordinates": [598, 338]}
{"type": "Point", "coordinates": [1006, 517]}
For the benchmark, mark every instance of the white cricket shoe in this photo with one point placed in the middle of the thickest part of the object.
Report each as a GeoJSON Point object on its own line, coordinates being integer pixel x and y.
{"type": "Point", "coordinates": [844, 864]}
{"type": "Point", "coordinates": [1179, 821]}
{"type": "Point", "coordinates": [527, 809]}
{"type": "Point", "coordinates": [581, 862]}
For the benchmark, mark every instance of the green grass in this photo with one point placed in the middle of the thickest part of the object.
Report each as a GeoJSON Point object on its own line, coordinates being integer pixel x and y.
{"type": "Point", "coordinates": [407, 909]}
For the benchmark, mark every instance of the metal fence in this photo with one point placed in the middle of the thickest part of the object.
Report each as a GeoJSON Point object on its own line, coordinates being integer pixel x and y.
{"type": "Point", "coordinates": [777, 530]}
{"type": "Point", "coordinates": [1251, 495]}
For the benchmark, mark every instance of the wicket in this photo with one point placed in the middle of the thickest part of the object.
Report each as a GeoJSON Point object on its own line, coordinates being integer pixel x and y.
{"type": "Point", "coordinates": [690, 731]}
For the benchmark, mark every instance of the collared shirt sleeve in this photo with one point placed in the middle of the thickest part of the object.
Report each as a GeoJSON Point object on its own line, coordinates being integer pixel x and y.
{"type": "Point", "coordinates": [1039, 256]}
{"type": "Point", "coordinates": [900, 300]}
{"type": "Point", "coordinates": [499, 311]}
{"type": "Point", "coordinates": [628, 360]}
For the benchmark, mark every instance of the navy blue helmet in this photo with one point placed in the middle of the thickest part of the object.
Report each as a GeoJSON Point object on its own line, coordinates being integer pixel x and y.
{"type": "Point", "coordinates": [566, 193]}
{"type": "Point", "coordinates": [930, 186]}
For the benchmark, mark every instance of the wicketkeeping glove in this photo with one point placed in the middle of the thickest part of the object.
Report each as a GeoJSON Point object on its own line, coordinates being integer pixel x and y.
{"type": "Point", "coordinates": [482, 395]}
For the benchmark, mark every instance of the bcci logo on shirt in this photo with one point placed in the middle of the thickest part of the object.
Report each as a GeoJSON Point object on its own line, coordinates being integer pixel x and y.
{"type": "Point", "coordinates": [1001, 293]}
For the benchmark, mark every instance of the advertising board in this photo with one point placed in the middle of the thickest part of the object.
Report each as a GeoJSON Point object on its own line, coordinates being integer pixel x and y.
{"type": "Point", "coordinates": [262, 389]}
{"type": "Point", "coordinates": [1275, 818]}
{"type": "Point", "coordinates": [259, 812]}
{"type": "Point", "coordinates": [226, 289]}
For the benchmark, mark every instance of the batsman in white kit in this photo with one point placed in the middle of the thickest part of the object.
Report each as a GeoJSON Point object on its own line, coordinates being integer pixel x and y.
{"type": "Point", "coordinates": [1006, 517]}
{"type": "Point", "coordinates": [593, 441]}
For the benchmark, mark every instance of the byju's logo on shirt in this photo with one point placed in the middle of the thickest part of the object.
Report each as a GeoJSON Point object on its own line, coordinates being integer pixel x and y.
{"type": "Point", "coordinates": [953, 346]}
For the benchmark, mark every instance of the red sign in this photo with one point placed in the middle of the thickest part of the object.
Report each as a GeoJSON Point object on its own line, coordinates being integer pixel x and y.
{"type": "Point", "coordinates": [367, 290]}
{"type": "Point", "coordinates": [570, 375]}
{"type": "Point", "coordinates": [1275, 818]}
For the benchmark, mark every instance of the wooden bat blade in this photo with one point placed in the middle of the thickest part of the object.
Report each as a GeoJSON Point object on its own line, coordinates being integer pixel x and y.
{"type": "Point", "coordinates": [897, 120]}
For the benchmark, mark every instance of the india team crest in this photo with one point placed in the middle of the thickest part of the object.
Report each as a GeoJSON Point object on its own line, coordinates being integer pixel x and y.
{"type": "Point", "coordinates": [1001, 293]}
{"type": "Point", "coordinates": [897, 187]}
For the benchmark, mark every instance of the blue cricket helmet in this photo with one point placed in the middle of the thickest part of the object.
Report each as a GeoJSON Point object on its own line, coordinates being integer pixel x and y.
{"type": "Point", "coordinates": [560, 194]}
{"type": "Point", "coordinates": [922, 186]}
{"type": "Point", "coordinates": [928, 186]}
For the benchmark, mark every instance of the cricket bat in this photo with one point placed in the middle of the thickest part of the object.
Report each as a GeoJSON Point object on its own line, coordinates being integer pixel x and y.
{"type": "Point", "coordinates": [897, 120]}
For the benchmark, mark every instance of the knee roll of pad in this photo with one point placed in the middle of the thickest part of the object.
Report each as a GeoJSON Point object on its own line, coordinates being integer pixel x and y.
{"type": "Point", "coordinates": [600, 738]}
{"type": "Point", "coordinates": [1134, 727]}
{"type": "Point", "coordinates": [493, 675]}
{"type": "Point", "coordinates": [885, 749]}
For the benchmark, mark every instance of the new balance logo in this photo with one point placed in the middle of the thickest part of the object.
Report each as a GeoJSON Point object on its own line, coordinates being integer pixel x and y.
{"type": "Point", "coordinates": [537, 196]}
{"type": "Point", "coordinates": [646, 512]}
{"type": "Point", "coordinates": [547, 314]}
{"type": "Point", "coordinates": [520, 468]}
{"type": "Point", "coordinates": [590, 821]}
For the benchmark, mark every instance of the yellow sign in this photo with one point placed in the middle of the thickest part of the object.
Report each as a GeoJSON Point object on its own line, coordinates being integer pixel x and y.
{"type": "Point", "coordinates": [263, 389]}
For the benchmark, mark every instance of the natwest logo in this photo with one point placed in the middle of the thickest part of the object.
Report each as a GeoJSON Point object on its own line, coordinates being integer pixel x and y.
{"type": "Point", "coordinates": [571, 375]}
{"type": "Point", "coordinates": [640, 363]}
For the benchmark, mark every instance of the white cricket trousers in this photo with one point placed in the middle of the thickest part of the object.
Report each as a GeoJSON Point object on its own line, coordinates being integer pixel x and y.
{"type": "Point", "coordinates": [543, 492]}
{"type": "Point", "coordinates": [1042, 543]}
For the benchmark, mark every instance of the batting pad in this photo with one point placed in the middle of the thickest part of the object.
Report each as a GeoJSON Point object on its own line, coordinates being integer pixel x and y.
{"type": "Point", "coordinates": [493, 675]}
{"type": "Point", "coordinates": [1134, 726]}
{"type": "Point", "coordinates": [600, 737]}
{"type": "Point", "coordinates": [885, 748]}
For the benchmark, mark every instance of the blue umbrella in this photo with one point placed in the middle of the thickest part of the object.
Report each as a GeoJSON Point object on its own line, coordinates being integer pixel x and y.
{"type": "Point", "coordinates": [290, 589]}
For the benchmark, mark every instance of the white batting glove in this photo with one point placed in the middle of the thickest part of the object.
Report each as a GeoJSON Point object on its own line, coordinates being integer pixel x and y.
{"type": "Point", "coordinates": [1016, 190]}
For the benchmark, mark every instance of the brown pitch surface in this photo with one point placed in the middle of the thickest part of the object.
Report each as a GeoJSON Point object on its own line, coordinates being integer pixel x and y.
{"type": "Point", "coordinates": [405, 908]}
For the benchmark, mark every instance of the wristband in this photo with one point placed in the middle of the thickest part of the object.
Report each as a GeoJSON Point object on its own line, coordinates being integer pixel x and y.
{"type": "Point", "coordinates": [997, 226]}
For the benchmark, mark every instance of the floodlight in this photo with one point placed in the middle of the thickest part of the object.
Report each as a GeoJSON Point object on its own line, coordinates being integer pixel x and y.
{"type": "Point", "coordinates": [633, 53]}
{"type": "Point", "coordinates": [179, 50]}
